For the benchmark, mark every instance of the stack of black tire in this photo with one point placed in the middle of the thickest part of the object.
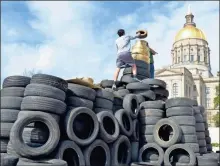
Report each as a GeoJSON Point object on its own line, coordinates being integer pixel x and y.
{"type": "Point", "coordinates": [11, 98]}
{"type": "Point", "coordinates": [143, 72]}
{"type": "Point", "coordinates": [207, 136]}
{"type": "Point", "coordinates": [200, 130]}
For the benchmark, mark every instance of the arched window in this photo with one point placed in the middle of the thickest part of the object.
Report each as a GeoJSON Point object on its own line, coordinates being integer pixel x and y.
{"type": "Point", "coordinates": [175, 90]}
{"type": "Point", "coordinates": [178, 59]}
{"type": "Point", "coordinates": [198, 58]}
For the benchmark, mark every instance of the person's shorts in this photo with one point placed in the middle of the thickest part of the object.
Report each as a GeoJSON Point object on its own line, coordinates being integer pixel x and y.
{"type": "Point", "coordinates": [124, 60]}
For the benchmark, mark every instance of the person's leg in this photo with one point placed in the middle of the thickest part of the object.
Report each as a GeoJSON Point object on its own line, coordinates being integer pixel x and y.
{"type": "Point", "coordinates": [117, 71]}
{"type": "Point", "coordinates": [151, 70]}
{"type": "Point", "coordinates": [134, 70]}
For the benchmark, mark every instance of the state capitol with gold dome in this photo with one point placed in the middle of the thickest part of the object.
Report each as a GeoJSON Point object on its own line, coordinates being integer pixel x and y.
{"type": "Point", "coordinates": [190, 73]}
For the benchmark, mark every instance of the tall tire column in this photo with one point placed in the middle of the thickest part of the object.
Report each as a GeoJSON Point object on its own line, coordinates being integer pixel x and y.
{"type": "Point", "coordinates": [200, 130]}
{"type": "Point", "coordinates": [151, 112]}
{"type": "Point", "coordinates": [207, 136]}
{"type": "Point", "coordinates": [181, 111]}
{"type": "Point", "coordinates": [11, 98]}
{"type": "Point", "coordinates": [43, 102]}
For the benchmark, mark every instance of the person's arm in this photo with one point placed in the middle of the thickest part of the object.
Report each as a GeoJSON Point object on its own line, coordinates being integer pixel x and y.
{"type": "Point", "coordinates": [135, 37]}
{"type": "Point", "coordinates": [152, 51]}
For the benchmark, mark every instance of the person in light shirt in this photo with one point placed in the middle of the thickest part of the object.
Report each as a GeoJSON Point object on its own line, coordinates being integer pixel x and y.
{"type": "Point", "coordinates": [124, 59]}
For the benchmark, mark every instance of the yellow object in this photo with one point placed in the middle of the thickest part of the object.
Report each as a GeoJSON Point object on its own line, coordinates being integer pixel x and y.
{"type": "Point", "coordinates": [190, 31]}
{"type": "Point", "coordinates": [85, 81]}
{"type": "Point", "coordinates": [140, 51]}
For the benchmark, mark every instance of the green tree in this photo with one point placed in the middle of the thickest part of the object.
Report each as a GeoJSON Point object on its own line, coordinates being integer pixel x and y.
{"type": "Point", "coordinates": [217, 99]}
{"type": "Point", "coordinates": [216, 119]}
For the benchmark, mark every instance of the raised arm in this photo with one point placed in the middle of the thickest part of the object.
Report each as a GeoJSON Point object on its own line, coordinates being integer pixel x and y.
{"type": "Point", "coordinates": [135, 37]}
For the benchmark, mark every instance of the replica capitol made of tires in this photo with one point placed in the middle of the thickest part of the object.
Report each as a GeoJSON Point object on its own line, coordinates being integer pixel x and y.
{"type": "Point", "coordinates": [47, 121]}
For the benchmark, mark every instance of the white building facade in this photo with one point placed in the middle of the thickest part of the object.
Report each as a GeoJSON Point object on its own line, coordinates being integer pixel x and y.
{"type": "Point", "coordinates": [190, 73]}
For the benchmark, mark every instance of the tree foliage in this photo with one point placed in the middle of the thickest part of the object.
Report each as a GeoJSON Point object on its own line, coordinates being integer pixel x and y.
{"type": "Point", "coordinates": [30, 73]}
{"type": "Point", "coordinates": [217, 99]}
{"type": "Point", "coordinates": [216, 119]}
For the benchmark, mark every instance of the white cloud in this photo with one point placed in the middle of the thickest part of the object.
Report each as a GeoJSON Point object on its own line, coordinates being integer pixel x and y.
{"type": "Point", "coordinates": [72, 50]}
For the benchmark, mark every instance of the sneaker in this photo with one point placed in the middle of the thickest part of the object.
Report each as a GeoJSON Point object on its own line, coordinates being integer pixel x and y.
{"type": "Point", "coordinates": [113, 86]}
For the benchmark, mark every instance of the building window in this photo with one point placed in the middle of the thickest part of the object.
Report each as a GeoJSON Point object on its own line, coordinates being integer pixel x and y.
{"type": "Point", "coordinates": [207, 90]}
{"type": "Point", "coordinates": [185, 58]}
{"type": "Point", "coordinates": [194, 87]}
{"type": "Point", "coordinates": [186, 90]}
{"type": "Point", "coordinates": [192, 58]}
{"type": "Point", "coordinates": [189, 91]}
{"type": "Point", "coordinates": [207, 102]}
{"type": "Point", "coordinates": [178, 59]}
{"type": "Point", "coordinates": [198, 58]}
{"type": "Point", "coordinates": [198, 49]}
{"type": "Point", "coordinates": [175, 90]}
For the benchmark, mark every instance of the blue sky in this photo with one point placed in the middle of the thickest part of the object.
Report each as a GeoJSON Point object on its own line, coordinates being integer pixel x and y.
{"type": "Point", "coordinates": [75, 39]}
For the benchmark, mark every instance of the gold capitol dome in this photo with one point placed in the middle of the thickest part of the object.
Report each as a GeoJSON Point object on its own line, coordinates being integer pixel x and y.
{"type": "Point", "coordinates": [189, 30]}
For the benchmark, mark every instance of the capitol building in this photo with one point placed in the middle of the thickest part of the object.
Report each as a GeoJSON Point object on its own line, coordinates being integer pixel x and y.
{"type": "Point", "coordinates": [190, 73]}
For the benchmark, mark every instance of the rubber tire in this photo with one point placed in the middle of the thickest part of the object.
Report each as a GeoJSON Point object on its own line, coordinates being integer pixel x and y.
{"type": "Point", "coordinates": [149, 120]}
{"type": "Point", "coordinates": [202, 143]}
{"type": "Point", "coordinates": [121, 93]}
{"type": "Point", "coordinates": [155, 146]}
{"type": "Point", "coordinates": [147, 138]}
{"type": "Point", "coordinates": [178, 102]}
{"type": "Point", "coordinates": [200, 127]}
{"type": "Point", "coordinates": [69, 119]}
{"type": "Point", "coordinates": [189, 139]}
{"type": "Point", "coordinates": [134, 151]}
{"type": "Point", "coordinates": [79, 102]}
{"type": "Point", "coordinates": [11, 102]}
{"type": "Point", "coordinates": [188, 130]}
{"type": "Point", "coordinates": [21, 148]}
{"type": "Point", "coordinates": [177, 134]}
{"type": "Point", "coordinates": [102, 93]}
{"type": "Point", "coordinates": [179, 146]}
{"type": "Point", "coordinates": [207, 160]}
{"type": "Point", "coordinates": [81, 91]}
{"type": "Point", "coordinates": [193, 146]}
{"type": "Point", "coordinates": [140, 99]}
{"type": "Point", "coordinates": [3, 143]}
{"type": "Point", "coordinates": [201, 135]}
{"type": "Point", "coordinates": [136, 132]}
{"type": "Point", "coordinates": [119, 116]}
{"type": "Point", "coordinates": [5, 129]}
{"type": "Point", "coordinates": [44, 91]}
{"type": "Point", "coordinates": [45, 104]}
{"type": "Point", "coordinates": [209, 147]}
{"type": "Point", "coordinates": [147, 129]}
{"type": "Point", "coordinates": [98, 110]}
{"type": "Point", "coordinates": [161, 92]}
{"type": "Point", "coordinates": [155, 82]}
{"type": "Point", "coordinates": [13, 91]}
{"type": "Point", "coordinates": [184, 120]}
{"type": "Point", "coordinates": [137, 86]}
{"type": "Point", "coordinates": [118, 101]}
{"type": "Point", "coordinates": [127, 79]}
{"type": "Point", "coordinates": [202, 150]}
{"type": "Point", "coordinates": [128, 105]}
{"type": "Point", "coordinates": [16, 81]}
{"type": "Point", "coordinates": [208, 140]}
{"type": "Point", "coordinates": [104, 135]}
{"type": "Point", "coordinates": [64, 145]}
{"type": "Point", "coordinates": [149, 94]}
{"type": "Point", "coordinates": [153, 105]}
{"type": "Point", "coordinates": [52, 162]}
{"type": "Point", "coordinates": [50, 80]}
{"type": "Point", "coordinates": [199, 118]}
{"type": "Point", "coordinates": [8, 160]}
{"type": "Point", "coordinates": [151, 112]}
{"type": "Point", "coordinates": [103, 103]}
{"type": "Point", "coordinates": [140, 71]}
{"type": "Point", "coordinates": [97, 143]}
{"type": "Point", "coordinates": [9, 115]}
{"type": "Point", "coordinates": [179, 111]}
{"type": "Point", "coordinates": [114, 151]}
{"type": "Point", "coordinates": [107, 83]}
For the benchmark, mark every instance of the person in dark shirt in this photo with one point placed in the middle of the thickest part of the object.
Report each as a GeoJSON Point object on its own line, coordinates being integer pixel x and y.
{"type": "Point", "coordinates": [152, 53]}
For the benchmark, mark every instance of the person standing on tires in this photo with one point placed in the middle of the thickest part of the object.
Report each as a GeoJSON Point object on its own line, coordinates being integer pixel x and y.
{"type": "Point", "coordinates": [151, 52]}
{"type": "Point", "coordinates": [123, 44]}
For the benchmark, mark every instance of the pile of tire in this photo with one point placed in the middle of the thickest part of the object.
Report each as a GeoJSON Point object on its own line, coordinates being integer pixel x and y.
{"type": "Point", "coordinates": [143, 72]}
{"type": "Point", "coordinates": [11, 98]}
{"type": "Point", "coordinates": [177, 136]}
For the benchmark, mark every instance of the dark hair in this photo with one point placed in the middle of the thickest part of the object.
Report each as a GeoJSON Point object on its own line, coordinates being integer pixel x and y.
{"type": "Point", "coordinates": [121, 32]}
